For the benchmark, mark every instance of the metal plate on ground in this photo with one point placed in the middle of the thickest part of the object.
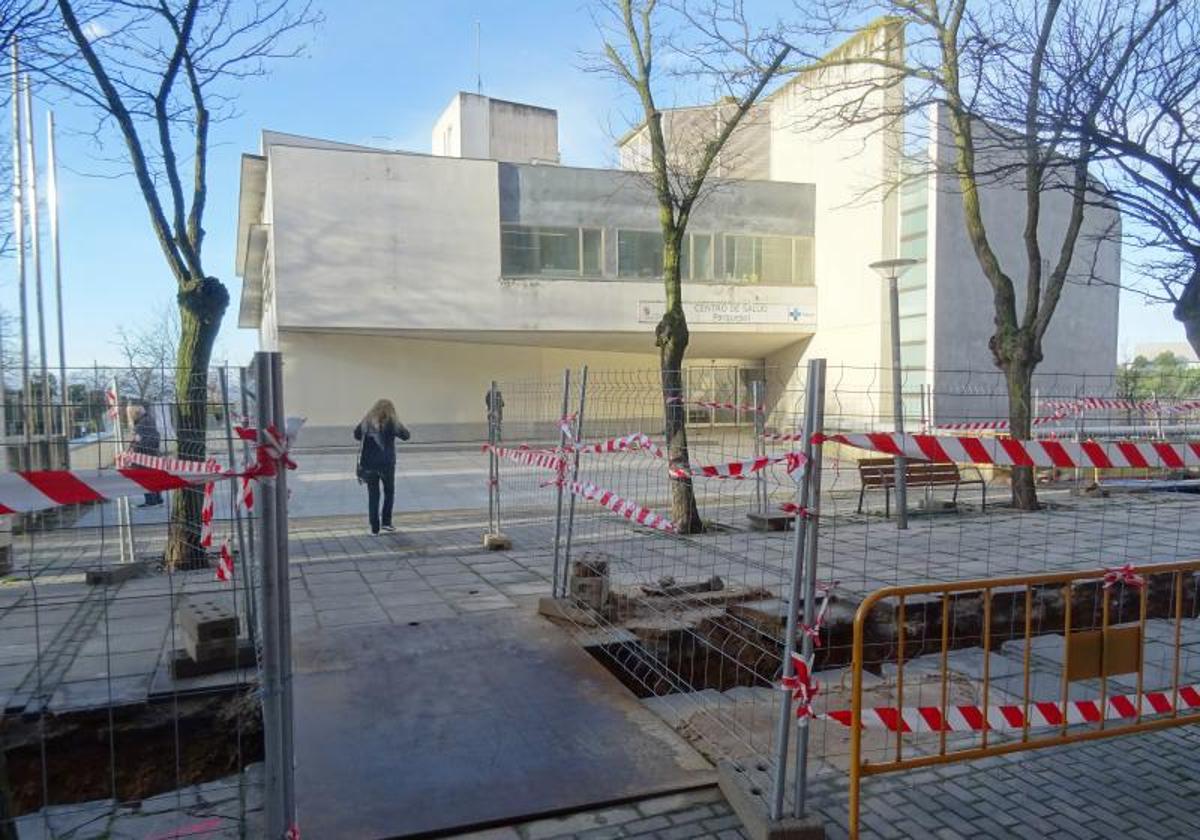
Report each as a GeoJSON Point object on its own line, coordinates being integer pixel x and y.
{"type": "Point", "coordinates": [475, 720]}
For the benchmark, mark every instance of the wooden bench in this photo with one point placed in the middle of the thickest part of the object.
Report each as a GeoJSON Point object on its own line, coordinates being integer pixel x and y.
{"type": "Point", "coordinates": [881, 472]}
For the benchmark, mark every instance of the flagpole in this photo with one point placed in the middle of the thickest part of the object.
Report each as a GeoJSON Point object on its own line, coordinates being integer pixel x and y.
{"type": "Point", "coordinates": [52, 207]}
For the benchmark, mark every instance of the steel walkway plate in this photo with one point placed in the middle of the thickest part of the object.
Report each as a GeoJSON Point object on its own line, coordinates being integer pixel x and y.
{"type": "Point", "coordinates": [470, 721]}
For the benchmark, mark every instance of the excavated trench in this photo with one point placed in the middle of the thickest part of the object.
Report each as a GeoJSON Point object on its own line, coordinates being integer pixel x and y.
{"type": "Point", "coordinates": [128, 753]}
{"type": "Point", "coordinates": [739, 642]}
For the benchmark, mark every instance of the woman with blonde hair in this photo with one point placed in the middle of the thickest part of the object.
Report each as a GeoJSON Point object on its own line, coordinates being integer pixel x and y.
{"type": "Point", "coordinates": [376, 468]}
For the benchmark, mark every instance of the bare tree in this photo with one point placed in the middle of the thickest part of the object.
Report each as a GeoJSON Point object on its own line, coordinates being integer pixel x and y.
{"type": "Point", "coordinates": [162, 72]}
{"type": "Point", "coordinates": [678, 174]}
{"type": "Point", "coordinates": [148, 350]}
{"type": "Point", "coordinates": [1147, 137]}
{"type": "Point", "coordinates": [993, 68]}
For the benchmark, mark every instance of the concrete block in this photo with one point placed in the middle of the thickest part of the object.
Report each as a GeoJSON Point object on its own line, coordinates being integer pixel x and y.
{"type": "Point", "coordinates": [112, 575]}
{"type": "Point", "coordinates": [205, 619]}
{"type": "Point", "coordinates": [215, 649]}
{"type": "Point", "coordinates": [751, 808]}
{"type": "Point", "coordinates": [496, 542]}
{"type": "Point", "coordinates": [241, 656]}
{"type": "Point", "coordinates": [770, 521]}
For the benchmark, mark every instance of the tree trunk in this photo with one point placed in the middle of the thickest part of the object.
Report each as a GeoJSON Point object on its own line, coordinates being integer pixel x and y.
{"type": "Point", "coordinates": [1187, 310]}
{"type": "Point", "coordinates": [1019, 378]}
{"type": "Point", "coordinates": [202, 304]}
{"type": "Point", "coordinates": [672, 336]}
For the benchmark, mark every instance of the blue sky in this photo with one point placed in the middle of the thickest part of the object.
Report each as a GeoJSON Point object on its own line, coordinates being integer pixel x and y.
{"type": "Point", "coordinates": [378, 72]}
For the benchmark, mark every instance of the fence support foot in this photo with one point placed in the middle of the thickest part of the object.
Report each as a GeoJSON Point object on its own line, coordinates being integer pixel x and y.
{"type": "Point", "coordinates": [496, 542]}
{"type": "Point", "coordinates": [747, 791]}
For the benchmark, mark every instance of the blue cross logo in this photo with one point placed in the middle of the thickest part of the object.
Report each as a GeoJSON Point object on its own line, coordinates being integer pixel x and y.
{"type": "Point", "coordinates": [795, 314]}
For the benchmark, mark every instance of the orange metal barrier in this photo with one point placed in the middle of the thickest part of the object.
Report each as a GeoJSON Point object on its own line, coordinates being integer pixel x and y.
{"type": "Point", "coordinates": [1077, 604]}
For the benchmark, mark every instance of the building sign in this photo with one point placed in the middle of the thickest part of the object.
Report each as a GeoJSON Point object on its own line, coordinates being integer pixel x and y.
{"type": "Point", "coordinates": [732, 312]}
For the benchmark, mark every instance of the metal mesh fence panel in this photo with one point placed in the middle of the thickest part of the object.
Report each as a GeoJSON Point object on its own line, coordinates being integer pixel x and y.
{"type": "Point", "coordinates": [130, 671]}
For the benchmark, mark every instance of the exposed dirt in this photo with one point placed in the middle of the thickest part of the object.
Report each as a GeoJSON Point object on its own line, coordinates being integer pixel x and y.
{"type": "Point", "coordinates": [133, 755]}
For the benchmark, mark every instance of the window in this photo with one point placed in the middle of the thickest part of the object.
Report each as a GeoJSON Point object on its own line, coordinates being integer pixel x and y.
{"type": "Point", "coordinates": [759, 259]}
{"type": "Point", "coordinates": [912, 355]}
{"type": "Point", "coordinates": [912, 302]}
{"type": "Point", "coordinates": [913, 222]}
{"type": "Point", "coordinates": [702, 256]}
{"type": "Point", "coordinates": [592, 242]}
{"type": "Point", "coordinates": [562, 252]}
{"type": "Point", "coordinates": [639, 253]}
{"type": "Point", "coordinates": [805, 269]}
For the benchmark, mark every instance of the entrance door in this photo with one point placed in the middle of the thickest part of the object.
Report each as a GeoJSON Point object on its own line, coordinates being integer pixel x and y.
{"type": "Point", "coordinates": [723, 382]}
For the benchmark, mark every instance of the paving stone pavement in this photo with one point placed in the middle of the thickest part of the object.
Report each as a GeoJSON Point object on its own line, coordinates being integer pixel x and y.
{"type": "Point", "coordinates": [1141, 787]}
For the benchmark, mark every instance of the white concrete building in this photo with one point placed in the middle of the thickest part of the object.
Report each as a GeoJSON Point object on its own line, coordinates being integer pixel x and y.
{"type": "Point", "coordinates": [423, 277]}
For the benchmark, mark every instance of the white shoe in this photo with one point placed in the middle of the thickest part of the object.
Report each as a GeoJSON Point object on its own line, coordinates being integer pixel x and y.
{"type": "Point", "coordinates": [389, 528]}
{"type": "Point", "coordinates": [373, 533]}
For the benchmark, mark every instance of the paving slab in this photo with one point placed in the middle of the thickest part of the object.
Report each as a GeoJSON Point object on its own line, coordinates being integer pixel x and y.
{"type": "Point", "coordinates": [480, 719]}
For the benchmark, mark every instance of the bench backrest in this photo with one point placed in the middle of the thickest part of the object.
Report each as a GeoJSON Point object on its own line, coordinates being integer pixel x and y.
{"type": "Point", "coordinates": [881, 472]}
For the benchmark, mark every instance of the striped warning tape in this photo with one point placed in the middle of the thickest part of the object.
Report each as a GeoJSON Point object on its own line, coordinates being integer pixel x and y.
{"type": "Point", "coordinates": [1009, 452]}
{"type": "Point", "coordinates": [1008, 717]}
{"type": "Point", "coordinates": [206, 516]}
{"type": "Point", "coordinates": [225, 563]}
{"type": "Point", "coordinates": [636, 442]}
{"type": "Point", "coordinates": [630, 510]}
{"type": "Point", "coordinates": [998, 425]}
{"type": "Point", "coordinates": [165, 462]}
{"type": "Point", "coordinates": [740, 469]}
{"type": "Point", "coordinates": [547, 458]}
{"type": "Point", "coordinates": [709, 404]}
{"type": "Point", "coordinates": [24, 492]}
{"type": "Point", "coordinates": [784, 437]}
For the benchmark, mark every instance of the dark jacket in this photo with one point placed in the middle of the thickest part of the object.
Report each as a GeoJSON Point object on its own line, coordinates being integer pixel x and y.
{"type": "Point", "coordinates": [379, 447]}
{"type": "Point", "coordinates": [145, 436]}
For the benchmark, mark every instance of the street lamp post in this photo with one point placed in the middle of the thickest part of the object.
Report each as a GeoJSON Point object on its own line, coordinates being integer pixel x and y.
{"type": "Point", "coordinates": [891, 270]}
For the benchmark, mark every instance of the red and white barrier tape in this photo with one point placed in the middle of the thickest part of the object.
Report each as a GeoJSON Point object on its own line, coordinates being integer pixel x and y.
{"type": "Point", "coordinates": [1125, 575]}
{"type": "Point", "coordinates": [784, 437]}
{"type": "Point", "coordinates": [630, 510]}
{"type": "Point", "coordinates": [564, 426]}
{"type": "Point", "coordinates": [1012, 717]}
{"type": "Point", "coordinates": [547, 458]}
{"type": "Point", "coordinates": [272, 452]}
{"type": "Point", "coordinates": [167, 463]}
{"type": "Point", "coordinates": [740, 469]}
{"type": "Point", "coordinates": [1004, 451]}
{"type": "Point", "coordinates": [206, 516]}
{"type": "Point", "coordinates": [708, 404]}
{"type": "Point", "coordinates": [801, 684]}
{"type": "Point", "coordinates": [636, 442]}
{"type": "Point", "coordinates": [24, 492]}
{"type": "Point", "coordinates": [998, 425]}
{"type": "Point", "coordinates": [813, 631]}
{"type": "Point", "coordinates": [797, 510]}
{"type": "Point", "coordinates": [1120, 404]}
{"type": "Point", "coordinates": [225, 563]}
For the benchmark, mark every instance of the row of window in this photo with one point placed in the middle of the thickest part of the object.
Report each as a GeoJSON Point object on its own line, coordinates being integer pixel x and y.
{"type": "Point", "coordinates": [579, 252]}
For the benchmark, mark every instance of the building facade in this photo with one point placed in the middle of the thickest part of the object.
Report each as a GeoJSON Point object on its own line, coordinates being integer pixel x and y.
{"type": "Point", "coordinates": [423, 277]}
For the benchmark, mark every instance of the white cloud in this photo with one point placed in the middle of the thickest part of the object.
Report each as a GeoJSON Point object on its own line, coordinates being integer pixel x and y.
{"type": "Point", "coordinates": [94, 29]}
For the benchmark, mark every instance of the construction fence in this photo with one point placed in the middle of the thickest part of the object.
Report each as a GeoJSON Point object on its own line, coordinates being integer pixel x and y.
{"type": "Point", "coordinates": [143, 613]}
{"type": "Point", "coordinates": [844, 566]}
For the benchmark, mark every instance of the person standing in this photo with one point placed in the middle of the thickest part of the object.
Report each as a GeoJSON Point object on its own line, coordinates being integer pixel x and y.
{"type": "Point", "coordinates": [145, 441]}
{"type": "Point", "coordinates": [378, 433]}
{"type": "Point", "coordinates": [495, 414]}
